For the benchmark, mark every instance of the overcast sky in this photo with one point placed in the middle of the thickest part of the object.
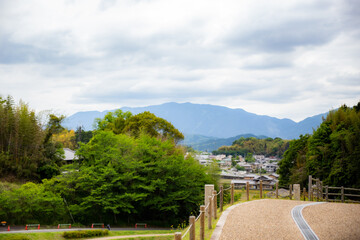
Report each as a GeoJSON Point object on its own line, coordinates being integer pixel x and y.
{"type": "Point", "coordinates": [287, 59]}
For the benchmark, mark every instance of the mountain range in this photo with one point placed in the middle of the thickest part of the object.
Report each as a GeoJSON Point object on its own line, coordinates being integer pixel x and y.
{"type": "Point", "coordinates": [203, 122]}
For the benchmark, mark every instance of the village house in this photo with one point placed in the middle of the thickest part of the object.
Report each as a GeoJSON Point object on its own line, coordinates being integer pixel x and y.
{"type": "Point", "coordinates": [69, 156]}
{"type": "Point", "coordinates": [254, 182]}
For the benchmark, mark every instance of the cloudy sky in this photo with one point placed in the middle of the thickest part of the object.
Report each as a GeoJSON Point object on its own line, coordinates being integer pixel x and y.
{"type": "Point", "coordinates": [287, 59]}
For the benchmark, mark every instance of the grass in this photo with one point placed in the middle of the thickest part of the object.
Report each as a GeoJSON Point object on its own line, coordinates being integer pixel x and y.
{"type": "Point", "coordinates": [59, 235]}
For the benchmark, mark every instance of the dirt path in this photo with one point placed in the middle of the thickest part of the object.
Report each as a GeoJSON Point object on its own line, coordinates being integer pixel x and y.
{"type": "Point", "coordinates": [131, 236]}
{"type": "Point", "coordinates": [334, 221]}
{"type": "Point", "coordinates": [263, 219]}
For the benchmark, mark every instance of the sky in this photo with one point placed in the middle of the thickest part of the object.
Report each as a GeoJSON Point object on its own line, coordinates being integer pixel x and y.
{"type": "Point", "coordinates": [286, 59]}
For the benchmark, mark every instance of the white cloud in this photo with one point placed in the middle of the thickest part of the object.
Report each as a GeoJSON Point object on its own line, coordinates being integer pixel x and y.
{"type": "Point", "coordinates": [288, 59]}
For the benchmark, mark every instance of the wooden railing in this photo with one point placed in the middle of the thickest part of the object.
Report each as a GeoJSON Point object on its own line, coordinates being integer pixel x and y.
{"type": "Point", "coordinates": [317, 191]}
{"type": "Point", "coordinates": [342, 194]}
{"type": "Point", "coordinates": [208, 212]}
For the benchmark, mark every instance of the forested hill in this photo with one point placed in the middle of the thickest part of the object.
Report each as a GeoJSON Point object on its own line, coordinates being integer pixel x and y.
{"type": "Point", "coordinates": [264, 146]}
{"type": "Point", "coordinates": [211, 121]}
{"type": "Point", "coordinates": [331, 153]}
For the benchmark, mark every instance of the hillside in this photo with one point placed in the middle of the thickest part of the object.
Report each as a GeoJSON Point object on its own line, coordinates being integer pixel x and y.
{"type": "Point", "coordinates": [203, 143]}
{"type": "Point", "coordinates": [211, 121]}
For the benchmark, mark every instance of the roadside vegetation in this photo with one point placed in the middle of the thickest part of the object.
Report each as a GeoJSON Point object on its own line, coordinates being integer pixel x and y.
{"type": "Point", "coordinates": [331, 153]}
{"type": "Point", "coordinates": [131, 170]}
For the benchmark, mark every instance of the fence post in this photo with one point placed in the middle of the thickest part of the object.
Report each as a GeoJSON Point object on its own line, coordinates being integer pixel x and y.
{"type": "Point", "coordinates": [277, 190]}
{"type": "Point", "coordinates": [297, 192]}
{"type": "Point", "coordinates": [327, 193]}
{"type": "Point", "coordinates": [310, 188]}
{"type": "Point", "coordinates": [290, 191]}
{"type": "Point", "coordinates": [304, 192]}
{"type": "Point", "coordinates": [192, 229]}
{"type": "Point", "coordinates": [209, 213]}
{"type": "Point", "coordinates": [215, 204]}
{"type": "Point", "coordinates": [177, 236]}
{"type": "Point", "coordinates": [232, 193]}
{"type": "Point", "coordinates": [221, 198]}
{"type": "Point", "coordinates": [209, 188]}
{"type": "Point", "coordinates": [247, 191]}
{"type": "Point", "coordinates": [321, 191]}
{"type": "Point", "coordinates": [202, 222]}
{"type": "Point", "coordinates": [342, 194]}
{"type": "Point", "coordinates": [317, 189]}
{"type": "Point", "coordinates": [261, 188]}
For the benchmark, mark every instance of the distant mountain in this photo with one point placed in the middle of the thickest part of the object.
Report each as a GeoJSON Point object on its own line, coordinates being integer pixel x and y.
{"type": "Point", "coordinates": [210, 121]}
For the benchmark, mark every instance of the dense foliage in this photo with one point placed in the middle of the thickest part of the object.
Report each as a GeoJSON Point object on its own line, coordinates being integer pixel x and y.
{"type": "Point", "coordinates": [30, 203]}
{"type": "Point", "coordinates": [26, 149]}
{"type": "Point", "coordinates": [125, 178]}
{"type": "Point", "coordinates": [125, 123]}
{"type": "Point", "coordinates": [129, 171]}
{"type": "Point", "coordinates": [243, 146]}
{"type": "Point", "coordinates": [332, 153]}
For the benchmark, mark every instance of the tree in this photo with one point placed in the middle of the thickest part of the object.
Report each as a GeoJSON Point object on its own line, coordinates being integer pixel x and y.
{"type": "Point", "coordinates": [331, 153]}
{"type": "Point", "coordinates": [31, 203]}
{"type": "Point", "coordinates": [26, 151]}
{"type": "Point", "coordinates": [66, 138]}
{"type": "Point", "coordinates": [267, 147]}
{"type": "Point", "coordinates": [249, 158]}
{"type": "Point", "coordinates": [293, 162]}
{"type": "Point", "coordinates": [119, 178]}
{"type": "Point", "coordinates": [121, 122]}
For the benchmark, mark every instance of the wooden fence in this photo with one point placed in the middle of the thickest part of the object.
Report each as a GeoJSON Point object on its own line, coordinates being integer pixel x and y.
{"type": "Point", "coordinates": [320, 193]}
{"type": "Point", "coordinates": [209, 211]}
{"type": "Point", "coordinates": [316, 191]}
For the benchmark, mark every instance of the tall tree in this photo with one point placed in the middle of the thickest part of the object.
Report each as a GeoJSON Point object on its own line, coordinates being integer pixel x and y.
{"type": "Point", "coordinates": [332, 153]}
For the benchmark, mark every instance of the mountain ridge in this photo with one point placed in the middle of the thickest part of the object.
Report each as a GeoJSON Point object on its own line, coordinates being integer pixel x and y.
{"type": "Point", "coordinates": [210, 120]}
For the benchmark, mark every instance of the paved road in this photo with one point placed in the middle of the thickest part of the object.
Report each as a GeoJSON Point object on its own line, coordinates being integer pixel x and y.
{"type": "Point", "coordinates": [304, 227]}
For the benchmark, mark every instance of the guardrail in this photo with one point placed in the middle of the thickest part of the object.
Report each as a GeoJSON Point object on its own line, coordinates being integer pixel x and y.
{"type": "Point", "coordinates": [140, 224]}
{"type": "Point", "coordinates": [32, 225]}
{"type": "Point", "coordinates": [97, 224]}
{"type": "Point", "coordinates": [64, 224]}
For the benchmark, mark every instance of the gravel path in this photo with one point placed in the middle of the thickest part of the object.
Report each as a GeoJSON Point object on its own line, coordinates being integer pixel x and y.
{"type": "Point", "coordinates": [264, 219]}
{"type": "Point", "coordinates": [334, 220]}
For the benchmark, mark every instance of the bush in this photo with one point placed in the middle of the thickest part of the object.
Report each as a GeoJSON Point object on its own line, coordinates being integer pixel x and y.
{"type": "Point", "coordinates": [85, 233]}
{"type": "Point", "coordinates": [17, 238]}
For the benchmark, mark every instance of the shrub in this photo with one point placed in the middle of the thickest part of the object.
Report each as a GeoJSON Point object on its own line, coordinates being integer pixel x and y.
{"type": "Point", "coordinates": [17, 238]}
{"type": "Point", "coordinates": [85, 233]}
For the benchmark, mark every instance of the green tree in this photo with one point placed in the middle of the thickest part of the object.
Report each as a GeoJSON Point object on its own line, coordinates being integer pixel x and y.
{"type": "Point", "coordinates": [31, 203]}
{"type": "Point", "coordinates": [122, 177]}
{"type": "Point", "coordinates": [249, 158]}
{"type": "Point", "coordinates": [121, 122]}
{"type": "Point", "coordinates": [26, 151]}
{"type": "Point", "coordinates": [332, 153]}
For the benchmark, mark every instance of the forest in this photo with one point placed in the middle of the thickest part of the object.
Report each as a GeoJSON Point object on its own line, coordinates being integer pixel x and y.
{"type": "Point", "coordinates": [267, 147]}
{"type": "Point", "coordinates": [116, 179]}
{"type": "Point", "coordinates": [331, 153]}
